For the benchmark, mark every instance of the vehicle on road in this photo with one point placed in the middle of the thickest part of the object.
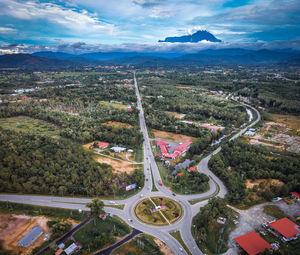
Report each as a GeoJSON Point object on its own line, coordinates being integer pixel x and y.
{"type": "Point", "coordinates": [174, 194]}
{"type": "Point", "coordinates": [160, 183]}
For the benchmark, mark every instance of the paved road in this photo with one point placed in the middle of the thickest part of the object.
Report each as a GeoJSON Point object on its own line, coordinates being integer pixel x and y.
{"type": "Point", "coordinates": [189, 211]}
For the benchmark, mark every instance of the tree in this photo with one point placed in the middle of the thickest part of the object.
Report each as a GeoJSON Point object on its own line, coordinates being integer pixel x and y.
{"type": "Point", "coordinates": [96, 207]}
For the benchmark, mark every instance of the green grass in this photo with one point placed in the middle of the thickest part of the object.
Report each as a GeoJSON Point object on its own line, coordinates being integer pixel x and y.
{"type": "Point", "coordinates": [34, 210]}
{"type": "Point", "coordinates": [139, 154]}
{"type": "Point", "coordinates": [29, 125]}
{"type": "Point", "coordinates": [178, 237]}
{"type": "Point", "coordinates": [153, 183]}
{"type": "Point", "coordinates": [274, 211]}
{"type": "Point", "coordinates": [121, 207]}
{"type": "Point", "coordinates": [98, 233]}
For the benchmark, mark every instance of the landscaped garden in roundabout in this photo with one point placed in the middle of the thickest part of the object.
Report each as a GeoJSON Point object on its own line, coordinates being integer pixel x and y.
{"type": "Point", "coordinates": [158, 211]}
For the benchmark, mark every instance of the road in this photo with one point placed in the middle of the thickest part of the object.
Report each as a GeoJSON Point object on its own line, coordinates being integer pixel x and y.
{"type": "Point", "coordinates": [163, 233]}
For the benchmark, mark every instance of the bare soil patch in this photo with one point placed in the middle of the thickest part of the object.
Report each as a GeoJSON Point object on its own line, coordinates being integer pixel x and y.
{"type": "Point", "coordinates": [183, 87]}
{"type": "Point", "coordinates": [14, 227]}
{"type": "Point", "coordinates": [163, 248]}
{"type": "Point", "coordinates": [117, 124]}
{"type": "Point", "coordinates": [119, 166]}
{"type": "Point", "coordinates": [176, 115]}
{"type": "Point", "coordinates": [251, 184]}
{"type": "Point", "coordinates": [290, 121]}
{"type": "Point", "coordinates": [172, 136]}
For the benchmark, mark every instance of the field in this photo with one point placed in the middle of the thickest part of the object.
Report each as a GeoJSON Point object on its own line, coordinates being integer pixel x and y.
{"type": "Point", "coordinates": [114, 105]}
{"type": "Point", "coordinates": [267, 183]}
{"type": "Point", "coordinates": [27, 124]}
{"type": "Point", "coordinates": [14, 227]}
{"type": "Point", "coordinates": [171, 213]}
{"type": "Point", "coordinates": [119, 166]}
{"type": "Point", "coordinates": [172, 136]}
{"type": "Point", "coordinates": [117, 124]}
{"type": "Point", "coordinates": [283, 133]}
{"type": "Point", "coordinates": [289, 121]}
{"type": "Point", "coordinates": [176, 115]}
{"type": "Point", "coordinates": [143, 244]}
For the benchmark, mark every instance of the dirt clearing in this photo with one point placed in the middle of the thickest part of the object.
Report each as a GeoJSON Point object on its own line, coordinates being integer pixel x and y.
{"type": "Point", "coordinates": [163, 248]}
{"type": "Point", "coordinates": [117, 124]}
{"type": "Point", "coordinates": [176, 115]}
{"type": "Point", "coordinates": [14, 227]}
{"type": "Point", "coordinates": [172, 136]}
{"type": "Point", "coordinates": [267, 183]}
{"type": "Point", "coordinates": [119, 166]}
{"type": "Point", "coordinates": [288, 120]}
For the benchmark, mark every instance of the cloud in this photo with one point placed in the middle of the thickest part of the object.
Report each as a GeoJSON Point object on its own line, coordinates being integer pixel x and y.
{"type": "Point", "coordinates": [79, 47]}
{"type": "Point", "coordinates": [7, 30]}
{"type": "Point", "coordinates": [76, 20]}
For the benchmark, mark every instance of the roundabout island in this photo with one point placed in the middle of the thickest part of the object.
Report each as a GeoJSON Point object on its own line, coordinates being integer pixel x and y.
{"type": "Point", "coordinates": [158, 211]}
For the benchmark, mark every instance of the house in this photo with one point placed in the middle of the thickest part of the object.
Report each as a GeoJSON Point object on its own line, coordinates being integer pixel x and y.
{"type": "Point", "coordinates": [74, 247]}
{"type": "Point", "coordinates": [172, 156]}
{"type": "Point", "coordinates": [103, 145]}
{"type": "Point", "coordinates": [130, 150]}
{"type": "Point", "coordinates": [286, 229]}
{"type": "Point", "coordinates": [252, 243]}
{"type": "Point", "coordinates": [129, 108]}
{"type": "Point", "coordinates": [221, 220]}
{"type": "Point", "coordinates": [117, 149]}
{"type": "Point", "coordinates": [250, 133]}
{"type": "Point", "coordinates": [295, 195]}
{"type": "Point", "coordinates": [31, 236]}
{"type": "Point", "coordinates": [179, 174]}
{"type": "Point", "coordinates": [191, 169]}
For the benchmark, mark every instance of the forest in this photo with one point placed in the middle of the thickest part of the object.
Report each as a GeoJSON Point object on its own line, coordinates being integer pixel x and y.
{"type": "Point", "coordinates": [57, 166]}
{"type": "Point", "coordinates": [190, 182]}
{"type": "Point", "coordinates": [255, 162]}
{"type": "Point", "coordinates": [207, 232]}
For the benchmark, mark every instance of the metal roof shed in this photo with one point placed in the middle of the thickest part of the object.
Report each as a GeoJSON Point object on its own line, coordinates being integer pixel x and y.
{"type": "Point", "coordinates": [31, 236]}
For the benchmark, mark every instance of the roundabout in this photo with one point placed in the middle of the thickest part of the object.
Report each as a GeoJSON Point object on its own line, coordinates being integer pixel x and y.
{"type": "Point", "coordinates": [158, 211]}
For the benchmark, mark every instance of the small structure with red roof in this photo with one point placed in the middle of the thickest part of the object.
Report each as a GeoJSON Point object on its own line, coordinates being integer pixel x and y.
{"type": "Point", "coordinates": [191, 169]}
{"type": "Point", "coordinates": [103, 145]}
{"type": "Point", "coordinates": [179, 174]}
{"type": "Point", "coordinates": [252, 243]}
{"type": "Point", "coordinates": [295, 195]}
{"type": "Point", "coordinates": [287, 229]}
{"type": "Point", "coordinates": [182, 148]}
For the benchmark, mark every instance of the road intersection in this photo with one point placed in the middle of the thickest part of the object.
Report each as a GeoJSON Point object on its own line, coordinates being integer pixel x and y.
{"type": "Point", "coordinates": [162, 232]}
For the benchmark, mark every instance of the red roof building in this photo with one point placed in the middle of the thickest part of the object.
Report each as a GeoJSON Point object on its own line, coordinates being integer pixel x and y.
{"type": "Point", "coordinates": [163, 147]}
{"type": "Point", "coordinates": [103, 144]}
{"type": "Point", "coordinates": [285, 227]}
{"type": "Point", "coordinates": [295, 195]}
{"type": "Point", "coordinates": [252, 243]}
{"type": "Point", "coordinates": [179, 174]}
{"type": "Point", "coordinates": [182, 147]}
{"type": "Point", "coordinates": [191, 169]}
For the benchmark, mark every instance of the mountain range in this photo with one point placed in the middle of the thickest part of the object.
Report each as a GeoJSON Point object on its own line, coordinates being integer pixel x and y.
{"type": "Point", "coordinates": [232, 56]}
{"type": "Point", "coordinates": [201, 35]}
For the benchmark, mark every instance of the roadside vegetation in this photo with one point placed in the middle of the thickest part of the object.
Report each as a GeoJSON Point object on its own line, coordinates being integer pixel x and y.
{"type": "Point", "coordinates": [211, 236]}
{"type": "Point", "coordinates": [143, 244]}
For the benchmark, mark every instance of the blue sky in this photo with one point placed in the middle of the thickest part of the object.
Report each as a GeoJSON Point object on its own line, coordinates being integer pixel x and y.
{"type": "Point", "coordinates": [92, 25]}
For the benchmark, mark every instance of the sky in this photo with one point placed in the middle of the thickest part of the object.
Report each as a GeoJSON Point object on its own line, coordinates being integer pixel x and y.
{"type": "Point", "coordinates": [80, 26]}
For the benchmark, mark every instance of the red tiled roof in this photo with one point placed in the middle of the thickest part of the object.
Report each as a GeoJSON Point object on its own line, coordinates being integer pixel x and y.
{"type": "Point", "coordinates": [179, 174]}
{"type": "Point", "coordinates": [103, 144]}
{"type": "Point", "coordinates": [296, 194]}
{"type": "Point", "coordinates": [192, 169]}
{"type": "Point", "coordinates": [161, 142]}
{"type": "Point", "coordinates": [285, 227]}
{"type": "Point", "coordinates": [183, 147]}
{"type": "Point", "coordinates": [252, 243]}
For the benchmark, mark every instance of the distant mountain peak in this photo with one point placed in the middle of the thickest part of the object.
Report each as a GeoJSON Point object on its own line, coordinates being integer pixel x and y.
{"type": "Point", "coordinates": [193, 38]}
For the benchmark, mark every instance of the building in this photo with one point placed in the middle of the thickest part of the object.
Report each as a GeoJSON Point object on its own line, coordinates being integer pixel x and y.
{"type": "Point", "coordinates": [182, 148]}
{"type": "Point", "coordinates": [191, 169]}
{"type": "Point", "coordinates": [252, 243]}
{"type": "Point", "coordinates": [31, 236]}
{"type": "Point", "coordinates": [74, 247]}
{"type": "Point", "coordinates": [118, 149]}
{"type": "Point", "coordinates": [103, 145]}
{"type": "Point", "coordinates": [286, 229]}
{"type": "Point", "coordinates": [295, 195]}
{"type": "Point", "coordinates": [59, 251]}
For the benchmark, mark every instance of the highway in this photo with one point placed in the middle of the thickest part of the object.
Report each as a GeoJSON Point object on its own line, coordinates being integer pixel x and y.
{"type": "Point", "coordinates": [163, 233]}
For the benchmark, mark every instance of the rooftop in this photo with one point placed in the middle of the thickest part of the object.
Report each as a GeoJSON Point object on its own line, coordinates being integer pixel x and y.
{"type": "Point", "coordinates": [252, 243]}
{"type": "Point", "coordinates": [285, 227]}
{"type": "Point", "coordinates": [295, 194]}
{"type": "Point", "coordinates": [30, 236]}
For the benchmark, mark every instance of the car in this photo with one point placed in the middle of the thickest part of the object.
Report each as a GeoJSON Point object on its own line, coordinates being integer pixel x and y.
{"type": "Point", "coordinates": [174, 194]}
{"type": "Point", "coordinates": [146, 179]}
{"type": "Point", "coordinates": [181, 249]}
{"type": "Point", "coordinates": [130, 220]}
{"type": "Point", "coordinates": [142, 195]}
